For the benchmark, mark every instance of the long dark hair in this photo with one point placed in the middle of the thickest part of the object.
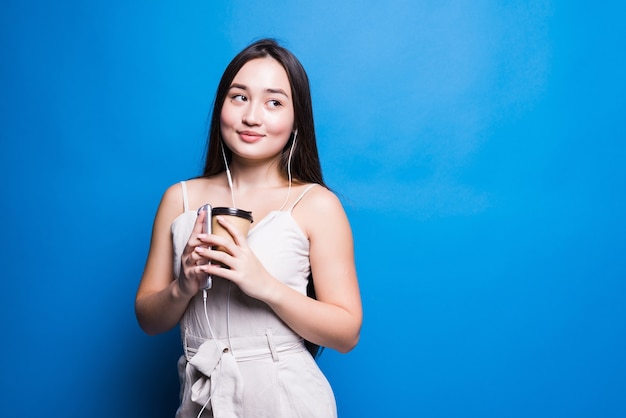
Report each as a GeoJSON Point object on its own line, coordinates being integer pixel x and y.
{"type": "Point", "coordinates": [305, 162]}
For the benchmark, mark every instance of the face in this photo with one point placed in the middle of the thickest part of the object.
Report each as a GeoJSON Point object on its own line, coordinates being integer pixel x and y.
{"type": "Point", "coordinates": [257, 117]}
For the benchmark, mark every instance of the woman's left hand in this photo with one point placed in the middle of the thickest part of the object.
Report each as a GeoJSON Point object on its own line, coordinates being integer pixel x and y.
{"type": "Point", "coordinates": [243, 267]}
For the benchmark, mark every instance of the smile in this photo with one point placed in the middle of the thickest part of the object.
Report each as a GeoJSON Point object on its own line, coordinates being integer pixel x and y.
{"type": "Point", "coordinates": [250, 136]}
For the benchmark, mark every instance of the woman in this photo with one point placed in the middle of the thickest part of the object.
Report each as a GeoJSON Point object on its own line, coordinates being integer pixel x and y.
{"type": "Point", "coordinates": [244, 338]}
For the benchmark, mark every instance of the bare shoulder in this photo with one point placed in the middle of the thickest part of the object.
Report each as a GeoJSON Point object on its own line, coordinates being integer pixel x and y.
{"type": "Point", "coordinates": [319, 206]}
{"type": "Point", "coordinates": [171, 204]}
{"type": "Point", "coordinates": [321, 200]}
{"type": "Point", "coordinates": [202, 190]}
{"type": "Point", "coordinates": [173, 196]}
{"type": "Point", "coordinates": [200, 183]}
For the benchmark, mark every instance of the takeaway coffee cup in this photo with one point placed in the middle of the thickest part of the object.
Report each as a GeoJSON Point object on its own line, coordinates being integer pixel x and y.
{"type": "Point", "coordinates": [239, 217]}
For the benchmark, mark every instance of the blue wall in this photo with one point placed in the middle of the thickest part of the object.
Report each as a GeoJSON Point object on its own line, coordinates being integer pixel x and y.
{"type": "Point", "coordinates": [478, 146]}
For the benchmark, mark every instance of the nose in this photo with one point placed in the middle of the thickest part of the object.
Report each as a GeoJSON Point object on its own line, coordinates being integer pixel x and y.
{"type": "Point", "coordinates": [252, 115]}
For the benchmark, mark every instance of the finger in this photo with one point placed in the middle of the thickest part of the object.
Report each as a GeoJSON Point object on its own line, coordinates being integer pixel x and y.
{"type": "Point", "coordinates": [194, 258]}
{"type": "Point", "coordinates": [202, 256]}
{"type": "Point", "coordinates": [216, 241]}
{"type": "Point", "coordinates": [238, 237]}
{"type": "Point", "coordinates": [200, 273]}
{"type": "Point", "coordinates": [197, 227]}
{"type": "Point", "coordinates": [218, 270]}
{"type": "Point", "coordinates": [218, 257]}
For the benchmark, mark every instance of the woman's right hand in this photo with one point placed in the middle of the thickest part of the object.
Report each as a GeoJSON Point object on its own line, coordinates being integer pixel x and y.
{"type": "Point", "coordinates": [193, 278]}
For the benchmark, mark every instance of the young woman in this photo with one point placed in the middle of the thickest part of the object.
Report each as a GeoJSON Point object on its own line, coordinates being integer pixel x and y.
{"type": "Point", "coordinates": [288, 285]}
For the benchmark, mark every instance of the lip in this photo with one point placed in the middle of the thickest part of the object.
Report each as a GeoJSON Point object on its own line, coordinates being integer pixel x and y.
{"type": "Point", "coordinates": [250, 136]}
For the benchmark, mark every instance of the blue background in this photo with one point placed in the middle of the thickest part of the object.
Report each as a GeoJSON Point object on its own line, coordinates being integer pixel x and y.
{"type": "Point", "coordinates": [478, 147]}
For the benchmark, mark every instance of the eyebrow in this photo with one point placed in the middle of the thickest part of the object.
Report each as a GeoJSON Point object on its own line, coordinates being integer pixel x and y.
{"type": "Point", "coordinates": [269, 90]}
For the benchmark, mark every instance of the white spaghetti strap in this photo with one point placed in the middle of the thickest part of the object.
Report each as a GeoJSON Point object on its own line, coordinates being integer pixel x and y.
{"type": "Point", "coordinates": [183, 185]}
{"type": "Point", "coordinates": [309, 187]}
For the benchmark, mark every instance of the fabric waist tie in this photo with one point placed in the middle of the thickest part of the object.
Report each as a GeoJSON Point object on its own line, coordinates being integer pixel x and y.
{"type": "Point", "coordinates": [216, 379]}
{"type": "Point", "coordinates": [212, 366]}
{"type": "Point", "coordinates": [248, 348]}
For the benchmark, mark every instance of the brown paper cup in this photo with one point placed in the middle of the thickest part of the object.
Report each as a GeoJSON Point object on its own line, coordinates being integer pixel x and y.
{"type": "Point", "coordinates": [240, 218]}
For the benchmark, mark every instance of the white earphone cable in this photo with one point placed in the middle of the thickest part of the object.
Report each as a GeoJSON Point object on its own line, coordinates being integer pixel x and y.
{"type": "Point", "coordinates": [293, 144]}
{"type": "Point", "coordinates": [204, 291]}
{"type": "Point", "coordinates": [228, 176]}
{"type": "Point", "coordinates": [206, 316]}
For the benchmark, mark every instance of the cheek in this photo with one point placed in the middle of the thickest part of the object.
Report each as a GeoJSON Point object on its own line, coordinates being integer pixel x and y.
{"type": "Point", "coordinates": [227, 124]}
{"type": "Point", "coordinates": [280, 125]}
{"type": "Point", "coordinates": [227, 117]}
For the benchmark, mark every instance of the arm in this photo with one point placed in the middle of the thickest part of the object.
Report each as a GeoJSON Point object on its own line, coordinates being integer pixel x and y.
{"type": "Point", "coordinates": [334, 319]}
{"type": "Point", "coordinates": [161, 301]}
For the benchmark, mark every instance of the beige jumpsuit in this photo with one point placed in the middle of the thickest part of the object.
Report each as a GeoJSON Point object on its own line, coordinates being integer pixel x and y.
{"type": "Point", "coordinates": [256, 366]}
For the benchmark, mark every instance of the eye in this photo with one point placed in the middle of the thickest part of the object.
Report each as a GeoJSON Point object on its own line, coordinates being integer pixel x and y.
{"type": "Point", "coordinates": [238, 98]}
{"type": "Point", "coordinates": [274, 103]}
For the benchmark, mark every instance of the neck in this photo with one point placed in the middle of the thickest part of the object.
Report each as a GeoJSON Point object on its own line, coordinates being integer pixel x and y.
{"type": "Point", "coordinates": [249, 176]}
{"type": "Point", "coordinates": [250, 179]}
